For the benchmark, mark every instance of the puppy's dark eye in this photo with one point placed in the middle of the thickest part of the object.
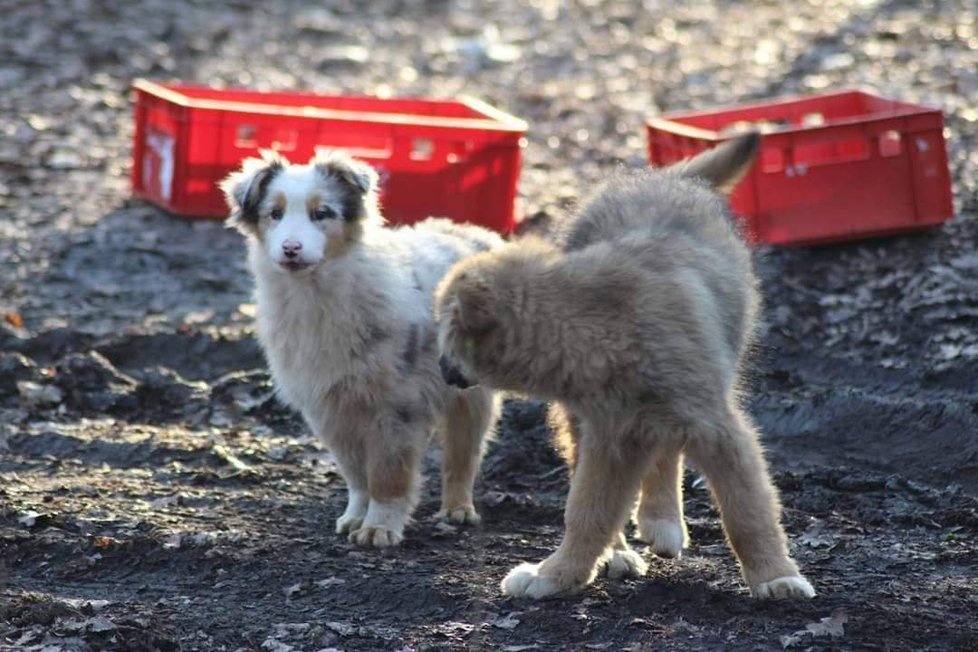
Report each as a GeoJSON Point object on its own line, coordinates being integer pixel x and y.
{"type": "Point", "coordinates": [323, 213]}
{"type": "Point", "coordinates": [276, 213]}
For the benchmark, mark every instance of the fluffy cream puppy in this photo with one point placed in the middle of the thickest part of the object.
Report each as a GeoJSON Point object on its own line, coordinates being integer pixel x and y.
{"type": "Point", "coordinates": [635, 325]}
{"type": "Point", "coordinates": [345, 321]}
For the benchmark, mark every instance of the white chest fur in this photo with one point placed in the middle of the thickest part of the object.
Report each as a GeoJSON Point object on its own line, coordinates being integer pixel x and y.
{"type": "Point", "coordinates": [346, 318]}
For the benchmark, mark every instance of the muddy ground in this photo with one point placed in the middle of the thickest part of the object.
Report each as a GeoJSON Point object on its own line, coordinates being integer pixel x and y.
{"type": "Point", "coordinates": [155, 497]}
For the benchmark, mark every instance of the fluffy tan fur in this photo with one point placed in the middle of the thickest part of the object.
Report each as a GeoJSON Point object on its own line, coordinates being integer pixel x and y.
{"type": "Point", "coordinates": [635, 325]}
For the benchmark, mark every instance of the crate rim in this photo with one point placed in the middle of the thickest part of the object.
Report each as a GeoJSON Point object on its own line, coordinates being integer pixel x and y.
{"type": "Point", "coordinates": [496, 119]}
{"type": "Point", "coordinates": [670, 121]}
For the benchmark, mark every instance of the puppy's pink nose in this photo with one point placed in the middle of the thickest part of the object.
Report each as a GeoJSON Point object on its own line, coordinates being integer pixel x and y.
{"type": "Point", "coordinates": [291, 248]}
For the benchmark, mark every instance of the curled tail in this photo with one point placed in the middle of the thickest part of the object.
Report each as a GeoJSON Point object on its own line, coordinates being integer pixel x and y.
{"type": "Point", "coordinates": [724, 165]}
{"type": "Point", "coordinates": [640, 198]}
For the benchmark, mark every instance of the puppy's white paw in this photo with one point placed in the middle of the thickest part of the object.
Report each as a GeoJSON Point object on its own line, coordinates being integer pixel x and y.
{"type": "Point", "coordinates": [526, 581]}
{"type": "Point", "coordinates": [793, 587]}
{"type": "Point", "coordinates": [376, 536]}
{"type": "Point", "coordinates": [666, 538]}
{"type": "Point", "coordinates": [626, 563]}
{"type": "Point", "coordinates": [462, 515]}
{"type": "Point", "coordinates": [348, 523]}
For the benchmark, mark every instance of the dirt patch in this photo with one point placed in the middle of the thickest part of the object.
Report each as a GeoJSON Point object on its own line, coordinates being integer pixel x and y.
{"type": "Point", "coordinates": [155, 496]}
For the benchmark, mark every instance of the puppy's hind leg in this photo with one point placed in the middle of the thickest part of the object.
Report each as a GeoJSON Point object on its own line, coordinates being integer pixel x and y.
{"type": "Point", "coordinates": [623, 561]}
{"type": "Point", "coordinates": [602, 491]}
{"type": "Point", "coordinates": [565, 427]}
{"type": "Point", "coordinates": [660, 512]}
{"type": "Point", "coordinates": [730, 456]}
{"type": "Point", "coordinates": [469, 418]}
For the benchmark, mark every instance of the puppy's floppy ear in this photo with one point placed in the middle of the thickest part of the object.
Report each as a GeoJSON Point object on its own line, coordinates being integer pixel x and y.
{"type": "Point", "coordinates": [361, 175]}
{"type": "Point", "coordinates": [245, 189]}
{"type": "Point", "coordinates": [335, 163]}
{"type": "Point", "coordinates": [724, 165]}
{"type": "Point", "coordinates": [474, 309]}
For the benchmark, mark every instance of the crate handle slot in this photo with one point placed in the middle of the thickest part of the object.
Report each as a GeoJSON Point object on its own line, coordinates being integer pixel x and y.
{"type": "Point", "coordinates": [285, 140]}
{"type": "Point", "coordinates": [422, 149]}
{"type": "Point", "coordinates": [246, 136]}
{"type": "Point", "coordinates": [890, 143]}
{"type": "Point", "coordinates": [812, 154]}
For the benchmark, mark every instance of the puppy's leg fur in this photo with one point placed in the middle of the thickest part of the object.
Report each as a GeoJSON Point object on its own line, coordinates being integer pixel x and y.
{"type": "Point", "coordinates": [393, 479]}
{"type": "Point", "coordinates": [730, 456]}
{"type": "Point", "coordinates": [357, 502]}
{"type": "Point", "coordinates": [468, 419]}
{"type": "Point", "coordinates": [603, 489]}
{"type": "Point", "coordinates": [619, 560]}
{"type": "Point", "coordinates": [348, 456]}
{"type": "Point", "coordinates": [564, 427]}
{"type": "Point", "coordinates": [660, 511]}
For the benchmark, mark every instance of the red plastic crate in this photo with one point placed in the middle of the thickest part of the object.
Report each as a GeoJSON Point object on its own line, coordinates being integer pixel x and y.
{"type": "Point", "coordinates": [458, 159]}
{"type": "Point", "coordinates": [832, 167]}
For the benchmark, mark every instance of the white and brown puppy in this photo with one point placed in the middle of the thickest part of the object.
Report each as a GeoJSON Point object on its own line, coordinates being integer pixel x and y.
{"type": "Point", "coordinates": [345, 320]}
{"type": "Point", "coordinates": [636, 326]}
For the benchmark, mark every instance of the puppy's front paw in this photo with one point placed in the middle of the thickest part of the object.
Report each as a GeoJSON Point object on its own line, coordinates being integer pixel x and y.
{"type": "Point", "coordinates": [665, 537]}
{"type": "Point", "coordinates": [376, 536]}
{"type": "Point", "coordinates": [348, 523]}
{"type": "Point", "coordinates": [532, 581]}
{"type": "Point", "coordinates": [626, 563]}
{"type": "Point", "coordinates": [461, 515]}
{"type": "Point", "coordinates": [525, 581]}
{"type": "Point", "coordinates": [793, 587]}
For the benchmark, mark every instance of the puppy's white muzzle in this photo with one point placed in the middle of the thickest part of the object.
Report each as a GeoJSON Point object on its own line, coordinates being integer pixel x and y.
{"type": "Point", "coordinates": [294, 243]}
